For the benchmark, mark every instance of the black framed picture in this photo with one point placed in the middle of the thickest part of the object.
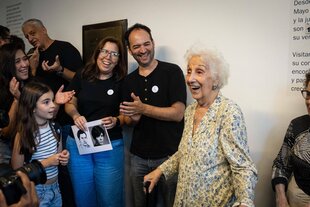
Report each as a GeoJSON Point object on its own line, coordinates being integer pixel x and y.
{"type": "Point", "coordinates": [93, 33]}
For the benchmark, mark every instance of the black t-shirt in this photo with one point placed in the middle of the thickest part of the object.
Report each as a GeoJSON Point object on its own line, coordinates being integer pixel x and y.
{"type": "Point", "coordinates": [69, 58]}
{"type": "Point", "coordinates": [98, 99]}
{"type": "Point", "coordinates": [153, 138]}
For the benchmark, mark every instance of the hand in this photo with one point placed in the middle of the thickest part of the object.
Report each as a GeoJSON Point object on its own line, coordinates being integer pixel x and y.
{"type": "Point", "coordinates": [109, 122]}
{"type": "Point", "coordinates": [64, 157]}
{"type": "Point", "coordinates": [34, 59]}
{"type": "Point", "coordinates": [281, 199]}
{"type": "Point", "coordinates": [153, 178]}
{"type": "Point", "coordinates": [29, 199]}
{"type": "Point", "coordinates": [132, 108]}
{"type": "Point", "coordinates": [52, 160]}
{"type": "Point", "coordinates": [63, 97]}
{"type": "Point", "coordinates": [14, 88]}
{"type": "Point", "coordinates": [52, 68]}
{"type": "Point", "coordinates": [80, 122]}
{"type": "Point", "coordinates": [282, 202]}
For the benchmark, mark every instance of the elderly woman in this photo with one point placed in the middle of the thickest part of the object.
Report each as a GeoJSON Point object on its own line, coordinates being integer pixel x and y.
{"type": "Point", "coordinates": [291, 168]}
{"type": "Point", "coordinates": [213, 160]}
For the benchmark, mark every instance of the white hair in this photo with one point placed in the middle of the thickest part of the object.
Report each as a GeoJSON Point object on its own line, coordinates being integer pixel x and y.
{"type": "Point", "coordinates": [213, 59]}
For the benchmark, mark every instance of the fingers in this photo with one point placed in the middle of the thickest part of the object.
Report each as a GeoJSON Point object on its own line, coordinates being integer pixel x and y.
{"type": "Point", "coordinates": [61, 88]}
{"type": "Point", "coordinates": [14, 88]}
{"type": "Point", "coordinates": [34, 196]}
{"type": "Point", "coordinates": [2, 200]}
{"type": "Point", "coordinates": [127, 109]}
{"type": "Point", "coordinates": [63, 97]}
{"type": "Point", "coordinates": [57, 59]}
{"type": "Point", "coordinates": [109, 122]}
{"type": "Point", "coordinates": [51, 68]}
{"type": "Point", "coordinates": [45, 65]}
{"type": "Point", "coordinates": [80, 122]}
{"type": "Point", "coordinates": [30, 198]}
{"type": "Point", "coordinates": [153, 178]}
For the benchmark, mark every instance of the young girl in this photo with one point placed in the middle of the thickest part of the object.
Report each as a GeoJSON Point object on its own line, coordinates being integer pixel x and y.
{"type": "Point", "coordinates": [38, 138]}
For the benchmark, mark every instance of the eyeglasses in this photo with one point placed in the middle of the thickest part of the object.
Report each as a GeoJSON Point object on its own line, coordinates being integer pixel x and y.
{"type": "Point", "coordinates": [108, 52]}
{"type": "Point", "coordinates": [306, 94]}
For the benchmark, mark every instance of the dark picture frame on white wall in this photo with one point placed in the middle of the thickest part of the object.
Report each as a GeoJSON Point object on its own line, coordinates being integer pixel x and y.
{"type": "Point", "coordinates": [93, 33]}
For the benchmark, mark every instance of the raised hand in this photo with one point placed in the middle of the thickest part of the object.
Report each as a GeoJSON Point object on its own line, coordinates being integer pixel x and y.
{"type": "Point", "coordinates": [63, 97]}
{"type": "Point", "coordinates": [14, 88]}
{"type": "Point", "coordinates": [52, 68]}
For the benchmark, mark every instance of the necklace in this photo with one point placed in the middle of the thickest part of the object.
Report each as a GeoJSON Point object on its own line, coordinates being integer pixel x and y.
{"type": "Point", "coordinates": [40, 125]}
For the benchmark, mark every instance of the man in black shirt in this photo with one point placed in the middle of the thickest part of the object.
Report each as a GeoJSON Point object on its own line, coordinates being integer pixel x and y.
{"type": "Point", "coordinates": [54, 63]}
{"type": "Point", "coordinates": [154, 101]}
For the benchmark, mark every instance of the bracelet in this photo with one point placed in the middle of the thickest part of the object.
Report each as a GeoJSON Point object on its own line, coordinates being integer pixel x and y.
{"type": "Point", "coordinates": [118, 122]}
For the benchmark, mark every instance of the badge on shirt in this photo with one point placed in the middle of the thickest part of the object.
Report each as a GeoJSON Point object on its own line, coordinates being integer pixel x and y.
{"type": "Point", "coordinates": [155, 89]}
{"type": "Point", "coordinates": [110, 92]}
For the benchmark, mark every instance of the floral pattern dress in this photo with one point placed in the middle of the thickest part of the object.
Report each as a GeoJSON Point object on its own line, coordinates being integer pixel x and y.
{"type": "Point", "coordinates": [214, 164]}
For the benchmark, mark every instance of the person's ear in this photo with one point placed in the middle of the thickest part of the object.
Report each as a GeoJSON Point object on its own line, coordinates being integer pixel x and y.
{"type": "Point", "coordinates": [128, 48]}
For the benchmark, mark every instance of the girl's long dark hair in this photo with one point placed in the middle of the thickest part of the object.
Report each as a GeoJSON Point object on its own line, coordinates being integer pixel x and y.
{"type": "Point", "coordinates": [7, 60]}
{"type": "Point", "coordinates": [27, 125]}
{"type": "Point", "coordinates": [91, 71]}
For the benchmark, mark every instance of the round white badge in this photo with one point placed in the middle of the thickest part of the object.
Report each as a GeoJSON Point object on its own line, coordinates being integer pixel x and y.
{"type": "Point", "coordinates": [110, 92]}
{"type": "Point", "coordinates": [155, 89]}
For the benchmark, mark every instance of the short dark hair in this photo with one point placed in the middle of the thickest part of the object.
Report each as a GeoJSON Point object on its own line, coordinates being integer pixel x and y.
{"type": "Point", "coordinates": [136, 26]}
{"type": "Point", "coordinates": [80, 132]}
{"type": "Point", "coordinates": [96, 131]}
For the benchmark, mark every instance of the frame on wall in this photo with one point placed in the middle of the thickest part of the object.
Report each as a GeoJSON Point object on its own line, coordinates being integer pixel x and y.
{"type": "Point", "coordinates": [93, 33]}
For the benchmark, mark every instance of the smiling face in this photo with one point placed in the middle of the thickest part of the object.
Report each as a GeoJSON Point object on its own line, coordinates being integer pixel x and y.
{"type": "Point", "coordinates": [141, 47]}
{"type": "Point", "coordinates": [45, 108]}
{"type": "Point", "coordinates": [200, 81]}
{"type": "Point", "coordinates": [107, 60]}
{"type": "Point", "coordinates": [21, 65]}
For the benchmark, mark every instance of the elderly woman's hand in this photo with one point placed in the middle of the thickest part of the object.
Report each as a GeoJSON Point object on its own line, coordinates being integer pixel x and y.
{"type": "Point", "coordinates": [153, 178]}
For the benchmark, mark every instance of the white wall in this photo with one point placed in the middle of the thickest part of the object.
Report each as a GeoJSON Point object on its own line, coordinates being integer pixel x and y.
{"type": "Point", "coordinates": [253, 36]}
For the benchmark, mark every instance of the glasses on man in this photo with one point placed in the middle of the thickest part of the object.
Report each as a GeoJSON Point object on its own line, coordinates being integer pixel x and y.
{"type": "Point", "coordinates": [306, 94]}
{"type": "Point", "coordinates": [108, 52]}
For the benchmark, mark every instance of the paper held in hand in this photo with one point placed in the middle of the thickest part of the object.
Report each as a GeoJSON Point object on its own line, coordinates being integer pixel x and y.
{"type": "Point", "coordinates": [95, 139]}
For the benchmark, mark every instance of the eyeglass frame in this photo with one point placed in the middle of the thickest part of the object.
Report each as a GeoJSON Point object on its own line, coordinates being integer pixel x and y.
{"type": "Point", "coordinates": [106, 52]}
{"type": "Point", "coordinates": [305, 94]}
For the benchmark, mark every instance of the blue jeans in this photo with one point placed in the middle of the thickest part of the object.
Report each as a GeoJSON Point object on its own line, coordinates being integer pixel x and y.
{"type": "Point", "coordinates": [49, 195]}
{"type": "Point", "coordinates": [98, 178]}
{"type": "Point", "coordinates": [164, 192]}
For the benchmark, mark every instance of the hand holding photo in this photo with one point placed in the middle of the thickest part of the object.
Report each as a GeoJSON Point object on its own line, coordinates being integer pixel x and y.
{"type": "Point", "coordinates": [95, 139]}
